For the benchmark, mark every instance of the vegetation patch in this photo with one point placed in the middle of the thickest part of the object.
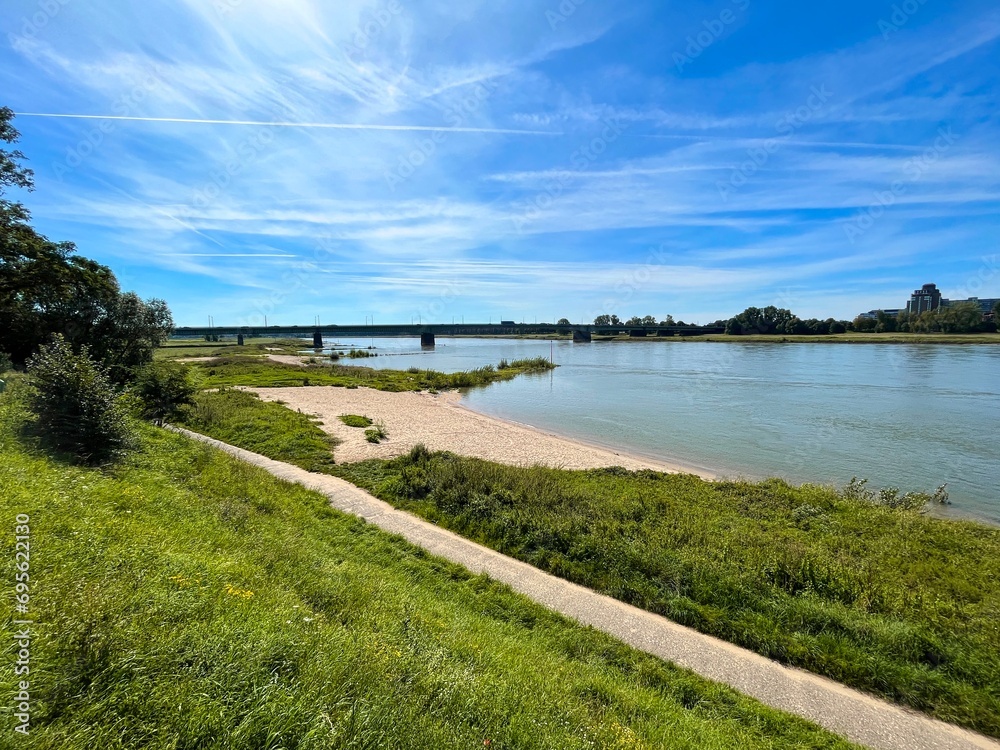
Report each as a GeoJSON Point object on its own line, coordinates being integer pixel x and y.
{"type": "Point", "coordinates": [376, 434]}
{"type": "Point", "coordinates": [355, 420]}
{"type": "Point", "coordinates": [242, 419]}
{"type": "Point", "coordinates": [857, 586]}
{"type": "Point", "coordinates": [259, 372]}
{"type": "Point", "coordinates": [188, 600]}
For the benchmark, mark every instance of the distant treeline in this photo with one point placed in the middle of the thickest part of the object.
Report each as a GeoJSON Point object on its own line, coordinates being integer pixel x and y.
{"type": "Point", "coordinates": [963, 317]}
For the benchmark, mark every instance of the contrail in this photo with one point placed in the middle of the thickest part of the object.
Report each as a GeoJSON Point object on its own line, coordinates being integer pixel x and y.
{"type": "Point", "coordinates": [323, 125]}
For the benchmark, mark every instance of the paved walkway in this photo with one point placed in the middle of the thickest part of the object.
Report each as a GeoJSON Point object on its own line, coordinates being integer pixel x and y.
{"type": "Point", "coordinates": [852, 714]}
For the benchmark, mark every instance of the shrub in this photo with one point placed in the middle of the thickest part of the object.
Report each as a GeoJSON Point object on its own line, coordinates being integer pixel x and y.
{"type": "Point", "coordinates": [355, 420]}
{"type": "Point", "coordinates": [163, 387]}
{"type": "Point", "coordinates": [76, 407]}
{"type": "Point", "coordinates": [376, 434]}
{"type": "Point", "coordinates": [5, 363]}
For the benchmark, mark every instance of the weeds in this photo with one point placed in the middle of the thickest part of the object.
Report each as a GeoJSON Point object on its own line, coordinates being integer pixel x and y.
{"type": "Point", "coordinates": [855, 585]}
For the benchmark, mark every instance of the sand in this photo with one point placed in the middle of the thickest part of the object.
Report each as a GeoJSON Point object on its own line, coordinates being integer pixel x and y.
{"type": "Point", "coordinates": [440, 422]}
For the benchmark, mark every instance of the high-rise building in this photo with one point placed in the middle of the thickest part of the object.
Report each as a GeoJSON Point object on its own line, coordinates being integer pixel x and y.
{"type": "Point", "coordinates": [927, 298]}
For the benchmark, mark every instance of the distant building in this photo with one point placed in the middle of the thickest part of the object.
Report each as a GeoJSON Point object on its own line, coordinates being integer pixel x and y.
{"type": "Point", "coordinates": [925, 299]}
{"type": "Point", "coordinates": [986, 305]}
{"type": "Point", "coordinates": [873, 314]}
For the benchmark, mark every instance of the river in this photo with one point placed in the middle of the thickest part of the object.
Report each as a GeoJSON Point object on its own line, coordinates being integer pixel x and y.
{"type": "Point", "coordinates": [907, 416]}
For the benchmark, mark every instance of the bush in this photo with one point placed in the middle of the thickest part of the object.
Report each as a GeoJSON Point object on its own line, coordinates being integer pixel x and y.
{"type": "Point", "coordinates": [76, 407]}
{"type": "Point", "coordinates": [376, 434]}
{"type": "Point", "coordinates": [355, 420]}
{"type": "Point", "coordinates": [5, 363]}
{"type": "Point", "coordinates": [163, 387]}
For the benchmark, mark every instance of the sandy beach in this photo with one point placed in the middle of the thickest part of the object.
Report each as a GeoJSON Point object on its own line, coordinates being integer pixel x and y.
{"type": "Point", "coordinates": [440, 422]}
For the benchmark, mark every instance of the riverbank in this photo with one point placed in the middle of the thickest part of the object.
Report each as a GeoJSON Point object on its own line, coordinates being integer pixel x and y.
{"type": "Point", "coordinates": [441, 423]}
{"type": "Point", "coordinates": [716, 338]}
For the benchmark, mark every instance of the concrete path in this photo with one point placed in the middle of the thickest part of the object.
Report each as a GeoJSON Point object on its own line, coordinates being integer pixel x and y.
{"type": "Point", "coordinates": [852, 714]}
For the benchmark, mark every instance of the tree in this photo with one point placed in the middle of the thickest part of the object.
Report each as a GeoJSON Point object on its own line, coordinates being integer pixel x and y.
{"type": "Point", "coordinates": [996, 312]}
{"type": "Point", "coordinates": [649, 320]}
{"type": "Point", "coordinates": [635, 320]}
{"type": "Point", "coordinates": [602, 320]}
{"type": "Point", "coordinates": [45, 289]}
{"type": "Point", "coordinates": [563, 322]}
{"type": "Point", "coordinates": [668, 321]}
{"type": "Point", "coordinates": [12, 174]}
{"type": "Point", "coordinates": [769, 320]}
{"type": "Point", "coordinates": [77, 410]}
{"type": "Point", "coordinates": [163, 387]}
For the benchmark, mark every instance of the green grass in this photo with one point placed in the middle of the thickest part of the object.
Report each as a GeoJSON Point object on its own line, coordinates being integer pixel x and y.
{"type": "Point", "coordinates": [242, 419]}
{"type": "Point", "coordinates": [184, 600]}
{"type": "Point", "coordinates": [355, 420]}
{"type": "Point", "coordinates": [263, 373]}
{"type": "Point", "coordinates": [886, 600]}
{"type": "Point", "coordinates": [376, 434]}
{"type": "Point", "coordinates": [189, 348]}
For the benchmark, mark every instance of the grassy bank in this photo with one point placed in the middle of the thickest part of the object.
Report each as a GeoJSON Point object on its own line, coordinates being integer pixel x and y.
{"type": "Point", "coordinates": [241, 418]}
{"type": "Point", "coordinates": [263, 373]}
{"type": "Point", "coordinates": [185, 600]}
{"type": "Point", "coordinates": [886, 600]}
{"type": "Point", "coordinates": [188, 348]}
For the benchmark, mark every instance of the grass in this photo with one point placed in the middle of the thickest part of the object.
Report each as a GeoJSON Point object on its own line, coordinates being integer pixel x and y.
{"type": "Point", "coordinates": [189, 348]}
{"type": "Point", "coordinates": [355, 420]}
{"type": "Point", "coordinates": [883, 599]}
{"type": "Point", "coordinates": [241, 418]}
{"type": "Point", "coordinates": [185, 600]}
{"type": "Point", "coordinates": [376, 434]}
{"type": "Point", "coordinates": [263, 373]}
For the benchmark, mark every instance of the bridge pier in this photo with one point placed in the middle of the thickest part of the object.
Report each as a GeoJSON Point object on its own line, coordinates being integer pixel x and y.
{"type": "Point", "coordinates": [317, 340]}
{"type": "Point", "coordinates": [637, 333]}
{"type": "Point", "coordinates": [426, 339]}
{"type": "Point", "coordinates": [581, 337]}
{"type": "Point", "coordinates": [239, 339]}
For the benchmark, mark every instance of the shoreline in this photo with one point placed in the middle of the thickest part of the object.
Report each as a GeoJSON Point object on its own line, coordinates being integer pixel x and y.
{"type": "Point", "coordinates": [442, 422]}
{"type": "Point", "coordinates": [670, 466]}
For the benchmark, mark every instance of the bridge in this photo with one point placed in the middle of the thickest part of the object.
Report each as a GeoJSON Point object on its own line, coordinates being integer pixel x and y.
{"type": "Point", "coordinates": [428, 332]}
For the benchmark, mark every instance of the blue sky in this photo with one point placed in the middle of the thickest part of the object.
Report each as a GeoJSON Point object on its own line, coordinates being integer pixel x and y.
{"type": "Point", "coordinates": [520, 159]}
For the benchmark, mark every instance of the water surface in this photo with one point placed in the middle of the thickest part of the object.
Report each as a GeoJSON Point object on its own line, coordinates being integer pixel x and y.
{"type": "Point", "coordinates": [909, 416]}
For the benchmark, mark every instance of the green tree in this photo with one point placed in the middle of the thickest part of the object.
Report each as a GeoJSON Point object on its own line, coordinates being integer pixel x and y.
{"type": "Point", "coordinates": [563, 322]}
{"type": "Point", "coordinates": [12, 173]}
{"type": "Point", "coordinates": [45, 289]}
{"type": "Point", "coordinates": [668, 321]}
{"type": "Point", "coordinates": [649, 320]}
{"type": "Point", "coordinates": [769, 320]}
{"type": "Point", "coordinates": [163, 388]}
{"type": "Point", "coordinates": [602, 320]}
{"type": "Point", "coordinates": [77, 409]}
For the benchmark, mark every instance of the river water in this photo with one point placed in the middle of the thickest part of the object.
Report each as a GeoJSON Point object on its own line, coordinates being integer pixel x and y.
{"type": "Point", "coordinates": [907, 416]}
